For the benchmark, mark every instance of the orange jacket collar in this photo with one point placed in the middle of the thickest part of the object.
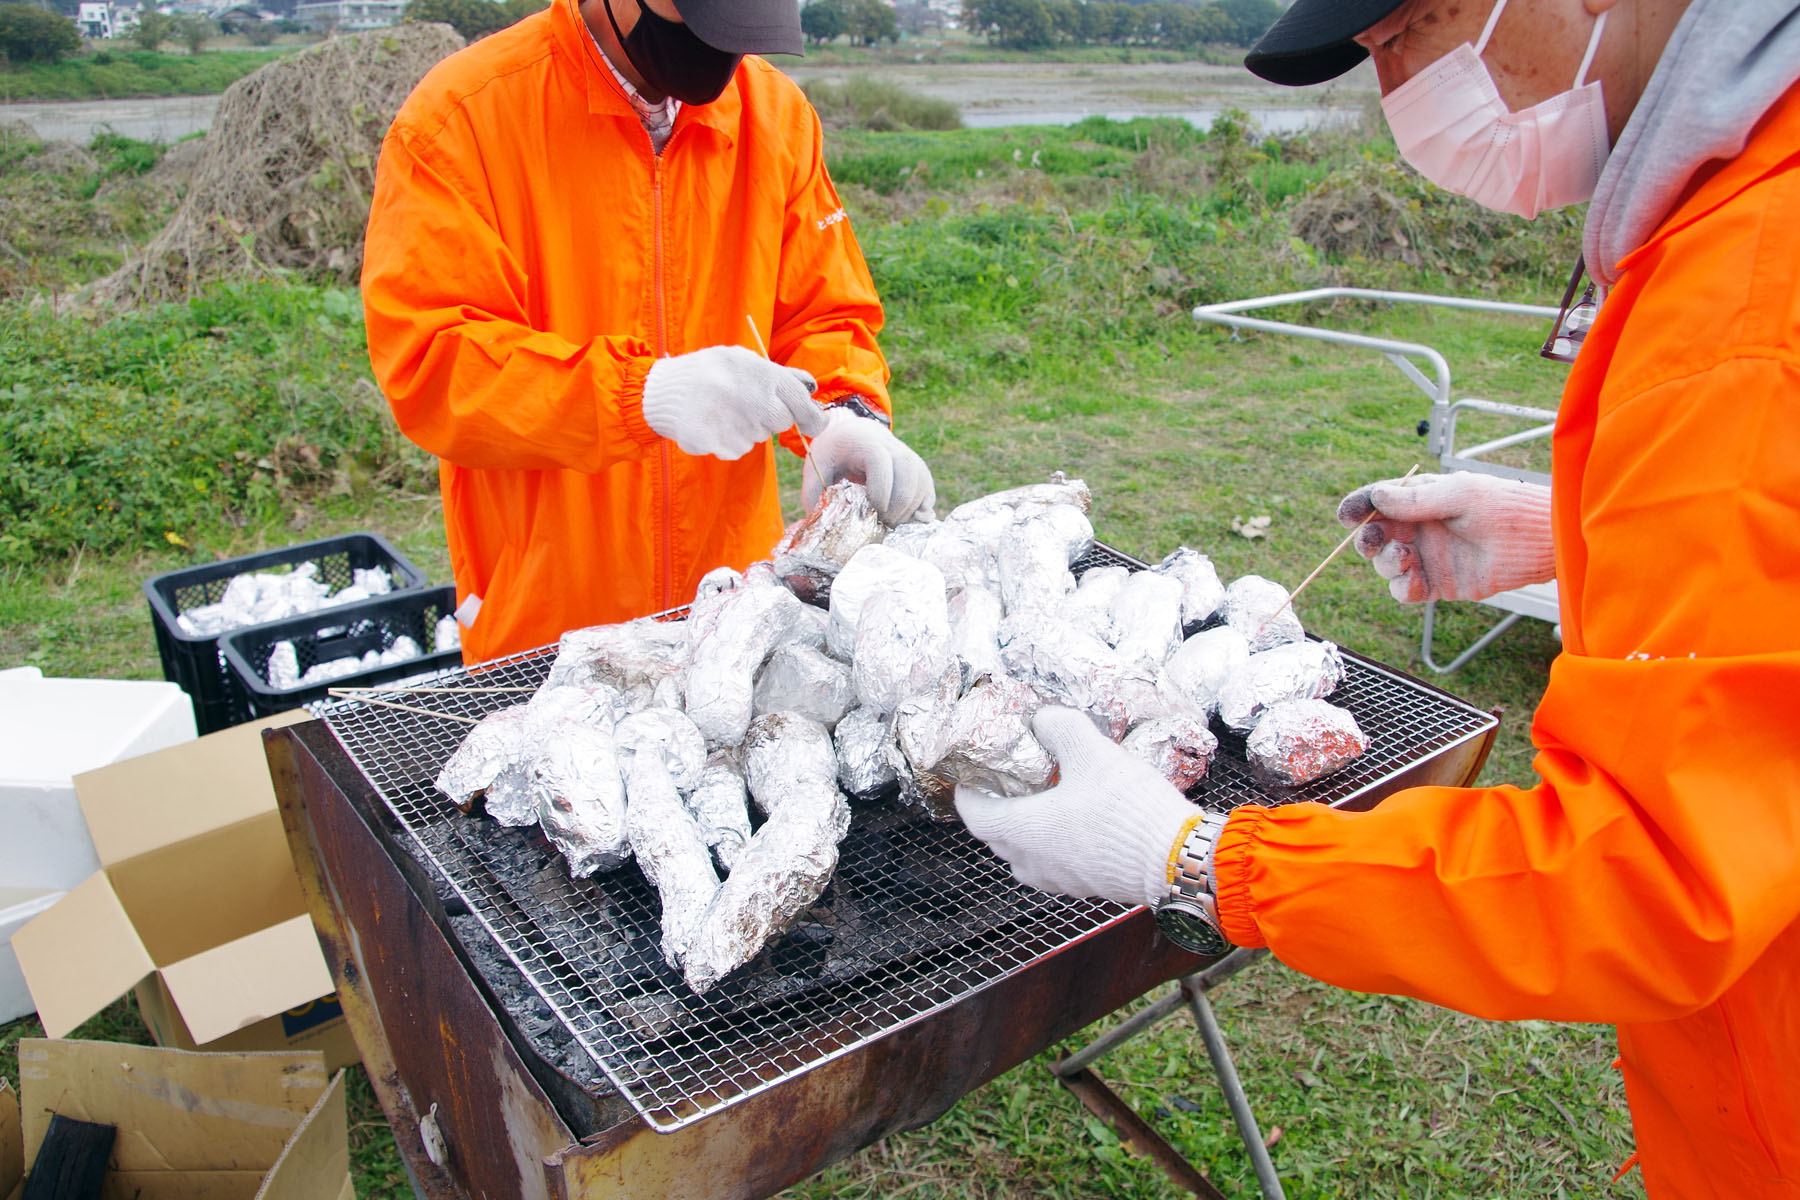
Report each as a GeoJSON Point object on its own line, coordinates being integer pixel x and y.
{"type": "Point", "coordinates": [603, 95]}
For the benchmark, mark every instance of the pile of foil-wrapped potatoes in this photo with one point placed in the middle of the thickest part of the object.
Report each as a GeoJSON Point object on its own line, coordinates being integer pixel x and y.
{"type": "Point", "coordinates": [858, 662]}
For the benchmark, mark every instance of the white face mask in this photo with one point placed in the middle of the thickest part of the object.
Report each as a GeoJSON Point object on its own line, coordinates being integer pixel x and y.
{"type": "Point", "coordinates": [1451, 123]}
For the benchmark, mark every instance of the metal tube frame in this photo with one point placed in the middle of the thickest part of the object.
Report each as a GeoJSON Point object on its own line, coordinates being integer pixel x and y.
{"type": "Point", "coordinates": [1441, 425]}
{"type": "Point", "coordinates": [1072, 1072]}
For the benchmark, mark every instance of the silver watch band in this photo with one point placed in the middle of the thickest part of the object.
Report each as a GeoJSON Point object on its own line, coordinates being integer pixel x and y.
{"type": "Point", "coordinates": [1194, 860]}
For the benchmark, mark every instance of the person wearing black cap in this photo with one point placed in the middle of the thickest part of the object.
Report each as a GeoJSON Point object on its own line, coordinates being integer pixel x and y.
{"type": "Point", "coordinates": [585, 230]}
{"type": "Point", "coordinates": [1650, 877]}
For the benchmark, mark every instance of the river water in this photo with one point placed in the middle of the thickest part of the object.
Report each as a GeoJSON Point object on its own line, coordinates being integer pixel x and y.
{"type": "Point", "coordinates": [988, 94]}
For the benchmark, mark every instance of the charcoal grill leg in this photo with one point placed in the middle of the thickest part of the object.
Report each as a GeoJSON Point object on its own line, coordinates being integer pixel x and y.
{"type": "Point", "coordinates": [1235, 1099]}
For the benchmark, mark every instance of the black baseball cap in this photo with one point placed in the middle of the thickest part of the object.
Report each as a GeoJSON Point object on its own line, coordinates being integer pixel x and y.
{"type": "Point", "coordinates": [1310, 43]}
{"type": "Point", "coordinates": [744, 26]}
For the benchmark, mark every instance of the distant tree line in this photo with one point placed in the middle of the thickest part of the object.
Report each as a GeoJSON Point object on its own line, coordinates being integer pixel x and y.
{"type": "Point", "coordinates": [1036, 24]}
{"type": "Point", "coordinates": [865, 21]}
{"type": "Point", "coordinates": [472, 18]}
{"type": "Point", "coordinates": [30, 34]}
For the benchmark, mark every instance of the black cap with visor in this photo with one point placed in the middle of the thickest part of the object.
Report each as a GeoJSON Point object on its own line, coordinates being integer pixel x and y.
{"type": "Point", "coordinates": [744, 26]}
{"type": "Point", "coordinates": [1311, 43]}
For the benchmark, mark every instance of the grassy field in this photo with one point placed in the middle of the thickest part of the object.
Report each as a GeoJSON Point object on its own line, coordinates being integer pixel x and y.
{"type": "Point", "coordinates": [121, 73]}
{"type": "Point", "coordinates": [1038, 284]}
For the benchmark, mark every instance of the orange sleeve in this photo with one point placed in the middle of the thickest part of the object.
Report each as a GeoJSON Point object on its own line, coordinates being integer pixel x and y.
{"type": "Point", "coordinates": [827, 312]}
{"type": "Point", "coordinates": [1659, 855]}
{"type": "Point", "coordinates": [452, 344]}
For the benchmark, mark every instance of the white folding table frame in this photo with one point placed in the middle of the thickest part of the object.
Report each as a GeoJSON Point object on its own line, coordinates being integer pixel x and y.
{"type": "Point", "coordinates": [1538, 601]}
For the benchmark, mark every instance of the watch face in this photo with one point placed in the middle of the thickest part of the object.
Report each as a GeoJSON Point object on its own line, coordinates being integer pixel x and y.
{"type": "Point", "coordinates": [1189, 928]}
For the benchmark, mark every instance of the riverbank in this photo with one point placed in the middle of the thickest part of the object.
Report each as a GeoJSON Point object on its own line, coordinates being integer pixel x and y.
{"type": "Point", "coordinates": [118, 73]}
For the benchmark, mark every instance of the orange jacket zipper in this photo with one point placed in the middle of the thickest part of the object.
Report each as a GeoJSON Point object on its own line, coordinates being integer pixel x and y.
{"type": "Point", "coordinates": [667, 534]}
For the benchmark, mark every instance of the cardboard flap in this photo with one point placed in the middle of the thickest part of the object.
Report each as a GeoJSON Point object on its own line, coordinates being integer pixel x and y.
{"type": "Point", "coordinates": [176, 1110]}
{"type": "Point", "coordinates": [81, 955]}
{"type": "Point", "coordinates": [12, 1144]}
{"type": "Point", "coordinates": [169, 796]}
{"type": "Point", "coordinates": [240, 983]}
{"type": "Point", "coordinates": [316, 1161]}
{"type": "Point", "coordinates": [180, 1185]}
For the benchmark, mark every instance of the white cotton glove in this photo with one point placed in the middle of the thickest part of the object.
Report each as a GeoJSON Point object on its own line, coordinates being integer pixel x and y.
{"type": "Point", "coordinates": [1453, 537]}
{"type": "Point", "coordinates": [1106, 829]}
{"type": "Point", "coordinates": [723, 400]}
{"type": "Point", "coordinates": [867, 452]}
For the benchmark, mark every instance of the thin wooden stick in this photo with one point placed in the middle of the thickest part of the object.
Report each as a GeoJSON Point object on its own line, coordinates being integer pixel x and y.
{"type": "Point", "coordinates": [805, 443]}
{"type": "Point", "coordinates": [446, 690]}
{"type": "Point", "coordinates": [1348, 538]}
{"type": "Point", "coordinates": [353, 694]}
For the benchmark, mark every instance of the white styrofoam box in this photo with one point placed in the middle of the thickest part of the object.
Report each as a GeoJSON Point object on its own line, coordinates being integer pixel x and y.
{"type": "Point", "coordinates": [17, 906]}
{"type": "Point", "coordinates": [52, 730]}
{"type": "Point", "coordinates": [19, 674]}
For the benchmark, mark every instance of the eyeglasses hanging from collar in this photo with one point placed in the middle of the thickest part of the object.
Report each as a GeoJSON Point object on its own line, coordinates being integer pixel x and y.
{"type": "Point", "coordinates": [1574, 319]}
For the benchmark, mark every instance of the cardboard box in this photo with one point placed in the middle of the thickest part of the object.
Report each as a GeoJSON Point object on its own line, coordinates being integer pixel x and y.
{"type": "Point", "coordinates": [264, 1126]}
{"type": "Point", "coordinates": [17, 906]}
{"type": "Point", "coordinates": [195, 906]}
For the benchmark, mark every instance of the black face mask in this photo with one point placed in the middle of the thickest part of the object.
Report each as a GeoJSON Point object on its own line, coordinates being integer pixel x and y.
{"type": "Point", "coordinates": [672, 60]}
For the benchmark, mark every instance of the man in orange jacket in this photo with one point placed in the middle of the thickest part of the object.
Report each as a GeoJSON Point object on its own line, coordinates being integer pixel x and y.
{"type": "Point", "coordinates": [582, 227]}
{"type": "Point", "coordinates": [1651, 877]}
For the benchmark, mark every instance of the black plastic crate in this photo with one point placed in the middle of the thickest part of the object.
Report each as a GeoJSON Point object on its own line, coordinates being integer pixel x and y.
{"type": "Point", "coordinates": [197, 664]}
{"type": "Point", "coordinates": [346, 631]}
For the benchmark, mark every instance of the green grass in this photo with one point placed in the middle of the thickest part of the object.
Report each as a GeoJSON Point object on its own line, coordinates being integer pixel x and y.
{"type": "Point", "coordinates": [962, 51]}
{"type": "Point", "coordinates": [118, 74]}
{"type": "Point", "coordinates": [1038, 320]}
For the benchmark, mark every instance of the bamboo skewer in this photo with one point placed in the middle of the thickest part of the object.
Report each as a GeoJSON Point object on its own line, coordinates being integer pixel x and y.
{"type": "Point", "coordinates": [1348, 538]}
{"type": "Point", "coordinates": [457, 690]}
{"type": "Point", "coordinates": [805, 442]}
{"type": "Point", "coordinates": [364, 698]}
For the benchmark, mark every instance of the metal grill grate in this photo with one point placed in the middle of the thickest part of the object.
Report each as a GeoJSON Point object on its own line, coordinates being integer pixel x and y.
{"type": "Point", "coordinates": [917, 916]}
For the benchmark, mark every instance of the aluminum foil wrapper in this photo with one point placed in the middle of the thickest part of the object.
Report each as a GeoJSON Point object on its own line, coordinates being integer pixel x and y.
{"type": "Point", "coordinates": [1201, 591]}
{"type": "Point", "coordinates": [902, 647]}
{"type": "Point", "coordinates": [1073, 667]}
{"type": "Point", "coordinates": [1253, 606]}
{"type": "Point", "coordinates": [910, 538]}
{"type": "Point", "coordinates": [798, 678]}
{"type": "Point", "coordinates": [964, 553]}
{"type": "Point", "coordinates": [924, 728]}
{"type": "Point", "coordinates": [792, 772]}
{"type": "Point", "coordinates": [865, 749]}
{"type": "Point", "coordinates": [875, 570]}
{"type": "Point", "coordinates": [581, 796]}
{"type": "Point", "coordinates": [491, 769]}
{"type": "Point", "coordinates": [721, 806]}
{"type": "Point", "coordinates": [1296, 671]}
{"type": "Point", "coordinates": [816, 547]}
{"type": "Point", "coordinates": [1146, 618]}
{"type": "Point", "coordinates": [1034, 557]}
{"type": "Point", "coordinates": [975, 615]}
{"type": "Point", "coordinates": [1179, 747]}
{"type": "Point", "coordinates": [636, 657]}
{"type": "Point", "coordinates": [991, 743]}
{"type": "Point", "coordinates": [1090, 607]}
{"type": "Point", "coordinates": [1299, 741]}
{"type": "Point", "coordinates": [590, 704]}
{"type": "Point", "coordinates": [1060, 490]}
{"type": "Point", "coordinates": [739, 637]}
{"type": "Point", "coordinates": [666, 736]}
{"type": "Point", "coordinates": [1197, 671]}
{"type": "Point", "coordinates": [670, 848]}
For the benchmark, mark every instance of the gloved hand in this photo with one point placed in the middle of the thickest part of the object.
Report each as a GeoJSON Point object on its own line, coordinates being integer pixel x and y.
{"type": "Point", "coordinates": [866, 451]}
{"type": "Point", "coordinates": [1106, 829]}
{"type": "Point", "coordinates": [723, 400]}
{"type": "Point", "coordinates": [1453, 537]}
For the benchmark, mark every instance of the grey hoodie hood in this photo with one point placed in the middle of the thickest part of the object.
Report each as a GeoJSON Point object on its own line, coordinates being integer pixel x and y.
{"type": "Point", "coordinates": [1726, 64]}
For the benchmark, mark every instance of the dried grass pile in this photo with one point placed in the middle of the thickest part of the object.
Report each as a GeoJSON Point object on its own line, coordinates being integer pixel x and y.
{"type": "Point", "coordinates": [288, 167]}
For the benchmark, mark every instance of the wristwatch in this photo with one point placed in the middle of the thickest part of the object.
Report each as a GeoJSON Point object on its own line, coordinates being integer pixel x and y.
{"type": "Point", "coordinates": [1188, 915]}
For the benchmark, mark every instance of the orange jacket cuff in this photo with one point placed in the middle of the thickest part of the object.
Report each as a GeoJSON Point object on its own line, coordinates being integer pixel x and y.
{"type": "Point", "coordinates": [631, 402]}
{"type": "Point", "coordinates": [1231, 876]}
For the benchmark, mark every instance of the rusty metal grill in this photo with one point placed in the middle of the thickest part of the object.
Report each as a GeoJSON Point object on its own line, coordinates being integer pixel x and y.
{"type": "Point", "coordinates": [918, 915]}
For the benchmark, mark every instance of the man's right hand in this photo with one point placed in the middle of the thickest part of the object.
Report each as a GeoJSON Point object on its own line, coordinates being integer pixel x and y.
{"type": "Point", "coordinates": [1453, 537]}
{"type": "Point", "coordinates": [723, 400]}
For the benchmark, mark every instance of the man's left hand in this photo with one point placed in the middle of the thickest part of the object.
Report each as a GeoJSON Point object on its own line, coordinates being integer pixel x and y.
{"type": "Point", "coordinates": [867, 452]}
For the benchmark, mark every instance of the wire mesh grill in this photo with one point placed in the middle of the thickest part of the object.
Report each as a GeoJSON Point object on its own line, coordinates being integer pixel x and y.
{"type": "Point", "coordinates": [918, 915]}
